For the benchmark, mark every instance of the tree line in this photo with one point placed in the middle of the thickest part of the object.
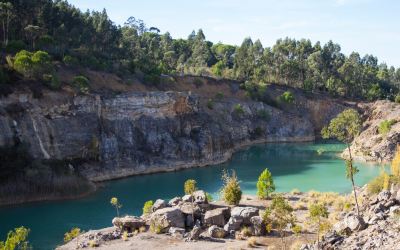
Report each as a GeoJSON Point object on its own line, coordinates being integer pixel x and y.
{"type": "Point", "coordinates": [93, 40]}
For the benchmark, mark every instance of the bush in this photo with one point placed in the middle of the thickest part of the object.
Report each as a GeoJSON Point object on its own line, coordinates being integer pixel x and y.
{"type": "Point", "coordinates": [129, 81]}
{"type": "Point", "coordinates": [112, 94]}
{"type": "Point", "coordinates": [210, 103]}
{"type": "Point", "coordinates": [242, 86]}
{"type": "Point", "coordinates": [219, 96]}
{"type": "Point", "coordinates": [170, 80]}
{"type": "Point", "coordinates": [384, 128]}
{"type": "Point", "coordinates": [93, 63]}
{"type": "Point", "coordinates": [148, 79]}
{"type": "Point", "coordinates": [24, 65]}
{"type": "Point", "coordinates": [265, 184]}
{"type": "Point", "coordinates": [16, 239]}
{"type": "Point", "coordinates": [232, 193]}
{"type": "Point", "coordinates": [247, 95]}
{"type": "Point", "coordinates": [69, 61]}
{"type": "Point", "coordinates": [119, 73]}
{"type": "Point", "coordinates": [259, 130]}
{"type": "Point", "coordinates": [397, 99]}
{"type": "Point", "coordinates": [15, 46]}
{"type": "Point", "coordinates": [219, 123]}
{"type": "Point", "coordinates": [173, 72]}
{"type": "Point", "coordinates": [80, 84]}
{"type": "Point", "coordinates": [81, 71]}
{"type": "Point", "coordinates": [148, 208]}
{"type": "Point", "coordinates": [53, 80]}
{"type": "Point", "coordinates": [263, 114]}
{"type": "Point", "coordinates": [344, 103]}
{"type": "Point", "coordinates": [127, 72]}
{"type": "Point", "coordinates": [287, 99]}
{"type": "Point", "coordinates": [238, 110]}
{"type": "Point", "coordinates": [209, 197]}
{"type": "Point", "coordinates": [45, 41]}
{"type": "Point", "coordinates": [190, 186]}
{"type": "Point", "coordinates": [197, 81]}
{"type": "Point", "coordinates": [104, 66]}
{"type": "Point", "coordinates": [392, 121]}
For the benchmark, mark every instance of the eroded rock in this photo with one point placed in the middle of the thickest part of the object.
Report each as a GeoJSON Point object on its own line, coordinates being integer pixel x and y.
{"type": "Point", "coordinates": [217, 232]}
{"type": "Point", "coordinates": [129, 222]}
{"type": "Point", "coordinates": [159, 204]}
{"type": "Point", "coordinates": [219, 217]}
{"type": "Point", "coordinates": [168, 217]}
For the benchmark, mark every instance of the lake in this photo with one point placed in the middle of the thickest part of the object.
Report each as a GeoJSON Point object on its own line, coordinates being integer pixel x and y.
{"type": "Point", "coordinates": [292, 165]}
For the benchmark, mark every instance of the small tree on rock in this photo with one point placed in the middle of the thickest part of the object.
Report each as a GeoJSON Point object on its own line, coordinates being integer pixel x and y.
{"type": "Point", "coordinates": [346, 127]}
{"type": "Point", "coordinates": [80, 84]}
{"type": "Point", "coordinates": [265, 184]}
{"type": "Point", "coordinates": [190, 188]}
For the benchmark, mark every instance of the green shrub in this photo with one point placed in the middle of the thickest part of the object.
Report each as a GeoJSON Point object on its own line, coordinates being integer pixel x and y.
{"type": "Point", "coordinates": [69, 61]}
{"type": "Point", "coordinates": [392, 121]}
{"type": "Point", "coordinates": [81, 71]}
{"type": "Point", "coordinates": [242, 86]}
{"type": "Point", "coordinates": [265, 184]}
{"type": "Point", "coordinates": [112, 94]}
{"type": "Point", "coordinates": [45, 41]}
{"type": "Point", "coordinates": [170, 80]}
{"type": "Point", "coordinates": [15, 46]}
{"type": "Point", "coordinates": [259, 130]}
{"type": "Point", "coordinates": [384, 128]}
{"type": "Point", "coordinates": [219, 96]}
{"type": "Point", "coordinates": [247, 95]}
{"type": "Point", "coordinates": [287, 99]}
{"type": "Point", "coordinates": [190, 186]}
{"type": "Point", "coordinates": [129, 81]}
{"type": "Point", "coordinates": [24, 65]}
{"type": "Point", "coordinates": [209, 197]}
{"type": "Point", "coordinates": [173, 72]}
{"type": "Point", "coordinates": [53, 80]}
{"type": "Point", "coordinates": [397, 99]}
{"type": "Point", "coordinates": [344, 103]}
{"type": "Point", "coordinates": [93, 63]}
{"type": "Point", "coordinates": [239, 110]}
{"type": "Point", "coordinates": [197, 81]}
{"type": "Point", "coordinates": [119, 73]}
{"type": "Point", "coordinates": [210, 103]}
{"type": "Point", "coordinates": [219, 123]}
{"type": "Point", "coordinates": [148, 208]}
{"type": "Point", "coordinates": [231, 191]}
{"type": "Point", "coordinates": [127, 72]}
{"type": "Point", "coordinates": [263, 114]}
{"type": "Point", "coordinates": [80, 84]}
{"type": "Point", "coordinates": [148, 79]}
{"type": "Point", "coordinates": [104, 66]}
{"type": "Point", "coordinates": [301, 115]}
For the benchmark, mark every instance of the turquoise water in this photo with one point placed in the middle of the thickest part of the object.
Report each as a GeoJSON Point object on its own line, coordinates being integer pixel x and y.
{"type": "Point", "coordinates": [293, 165]}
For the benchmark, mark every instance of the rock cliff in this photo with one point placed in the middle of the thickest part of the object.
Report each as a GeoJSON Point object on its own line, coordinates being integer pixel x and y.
{"type": "Point", "coordinates": [146, 132]}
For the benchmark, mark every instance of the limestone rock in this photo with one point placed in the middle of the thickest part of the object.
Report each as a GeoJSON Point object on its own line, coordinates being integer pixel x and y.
{"type": "Point", "coordinates": [174, 230]}
{"type": "Point", "coordinates": [195, 233]}
{"type": "Point", "coordinates": [384, 195]}
{"type": "Point", "coordinates": [168, 217]}
{"type": "Point", "coordinates": [175, 201]}
{"type": "Point", "coordinates": [189, 208]}
{"type": "Point", "coordinates": [245, 213]}
{"type": "Point", "coordinates": [377, 217]}
{"type": "Point", "coordinates": [217, 232]}
{"type": "Point", "coordinates": [390, 202]}
{"type": "Point", "coordinates": [217, 217]}
{"type": "Point", "coordinates": [200, 197]}
{"type": "Point", "coordinates": [189, 221]}
{"type": "Point", "coordinates": [159, 204]}
{"type": "Point", "coordinates": [341, 226]}
{"type": "Point", "coordinates": [187, 198]}
{"type": "Point", "coordinates": [394, 209]}
{"type": "Point", "coordinates": [258, 225]}
{"type": "Point", "coordinates": [355, 223]}
{"type": "Point", "coordinates": [129, 222]}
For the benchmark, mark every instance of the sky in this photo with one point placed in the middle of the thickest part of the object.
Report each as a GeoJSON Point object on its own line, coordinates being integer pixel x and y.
{"type": "Point", "coordinates": [363, 26]}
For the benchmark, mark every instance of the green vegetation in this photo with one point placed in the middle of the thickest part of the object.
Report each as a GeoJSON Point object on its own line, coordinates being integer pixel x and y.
{"type": "Point", "coordinates": [238, 110]}
{"type": "Point", "coordinates": [279, 215]}
{"type": "Point", "coordinates": [319, 215]}
{"type": "Point", "coordinates": [219, 123]}
{"type": "Point", "coordinates": [209, 197]}
{"type": "Point", "coordinates": [265, 184]}
{"type": "Point", "coordinates": [219, 96]}
{"type": "Point", "coordinates": [80, 84]}
{"type": "Point", "coordinates": [114, 202]}
{"type": "Point", "coordinates": [345, 127]}
{"type": "Point", "coordinates": [190, 186]}
{"type": "Point", "coordinates": [392, 121]}
{"type": "Point", "coordinates": [397, 99]}
{"type": "Point", "coordinates": [384, 128]}
{"type": "Point", "coordinates": [129, 81]}
{"type": "Point", "coordinates": [148, 208]}
{"type": "Point", "coordinates": [259, 130]}
{"type": "Point", "coordinates": [286, 99]}
{"type": "Point", "coordinates": [210, 104]}
{"type": "Point", "coordinates": [16, 239]}
{"type": "Point", "coordinates": [75, 232]}
{"type": "Point", "coordinates": [231, 191]}
{"type": "Point", "coordinates": [263, 114]}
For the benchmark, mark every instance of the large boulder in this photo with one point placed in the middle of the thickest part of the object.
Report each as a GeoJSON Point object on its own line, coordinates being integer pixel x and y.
{"type": "Point", "coordinates": [259, 225]}
{"type": "Point", "coordinates": [384, 195]}
{"type": "Point", "coordinates": [355, 223]}
{"type": "Point", "coordinates": [233, 224]}
{"type": "Point", "coordinates": [341, 226]}
{"type": "Point", "coordinates": [217, 232]}
{"type": "Point", "coordinates": [175, 201]}
{"type": "Point", "coordinates": [200, 197]}
{"type": "Point", "coordinates": [129, 222]}
{"type": "Point", "coordinates": [245, 213]}
{"type": "Point", "coordinates": [187, 198]}
{"type": "Point", "coordinates": [189, 208]}
{"type": "Point", "coordinates": [219, 217]}
{"type": "Point", "coordinates": [195, 233]}
{"type": "Point", "coordinates": [159, 204]}
{"type": "Point", "coordinates": [168, 217]}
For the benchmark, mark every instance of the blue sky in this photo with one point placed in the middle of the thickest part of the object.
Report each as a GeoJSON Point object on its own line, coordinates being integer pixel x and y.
{"type": "Point", "coordinates": [363, 26]}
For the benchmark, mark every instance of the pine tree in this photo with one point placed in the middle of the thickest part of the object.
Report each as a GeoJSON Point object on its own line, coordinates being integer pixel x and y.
{"type": "Point", "coordinates": [265, 184]}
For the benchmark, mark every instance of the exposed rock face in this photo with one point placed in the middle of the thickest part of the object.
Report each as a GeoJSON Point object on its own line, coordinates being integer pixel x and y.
{"type": "Point", "coordinates": [217, 217]}
{"type": "Point", "coordinates": [168, 217]}
{"type": "Point", "coordinates": [258, 225]}
{"type": "Point", "coordinates": [175, 201]}
{"type": "Point", "coordinates": [129, 222]}
{"type": "Point", "coordinates": [159, 204]}
{"type": "Point", "coordinates": [146, 132]}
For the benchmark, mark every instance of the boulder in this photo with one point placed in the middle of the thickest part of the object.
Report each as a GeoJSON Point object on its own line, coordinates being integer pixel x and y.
{"type": "Point", "coordinates": [341, 226]}
{"type": "Point", "coordinates": [233, 224]}
{"type": "Point", "coordinates": [200, 197]}
{"type": "Point", "coordinates": [175, 201]}
{"type": "Point", "coordinates": [378, 208]}
{"type": "Point", "coordinates": [245, 213]}
{"type": "Point", "coordinates": [129, 222]}
{"type": "Point", "coordinates": [217, 232]}
{"type": "Point", "coordinates": [159, 204]}
{"type": "Point", "coordinates": [332, 238]}
{"type": "Point", "coordinates": [168, 217]}
{"type": "Point", "coordinates": [355, 223]}
{"type": "Point", "coordinates": [189, 208]}
{"type": "Point", "coordinates": [174, 230]}
{"type": "Point", "coordinates": [219, 217]}
{"type": "Point", "coordinates": [384, 195]}
{"type": "Point", "coordinates": [258, 225]}
{"type": "Point", "coordinates": [195, 233]}
{"type": "Point", "coordinates": [377, 217]}
{"type": "Point", "coordinates": [187, 198]}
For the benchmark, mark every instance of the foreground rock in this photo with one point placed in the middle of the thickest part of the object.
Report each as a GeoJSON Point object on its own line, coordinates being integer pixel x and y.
{"type": "Point", "coordinates": [129, 222]}
{"type": "Point", "coordinates": [217, 232]}
{"type": "Point", "coordinates": [219, 217]}
{"type": "Point", "coordinates": [168, 217]}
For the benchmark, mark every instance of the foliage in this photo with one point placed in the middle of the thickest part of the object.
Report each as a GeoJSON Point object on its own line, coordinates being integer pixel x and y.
{"type": "Point", "coordinates": [374, 92]}
{"type": "Point", "coordinates": [231, 192]}
{"type": "Point", "coordinates": [392, 122]}
{"type": "Point", "coordinates": [397, 99]}
{"type": "Point", "coordinates": [114, 202]}
{"type": "Point", "coordinates": [287, 99]}
{"type": "Point", "coordinates": [265, 184]}
{"type": "Point", "coordinates": [75, 232]}
{"type": "Point", "coordinates": [384, 128]}
{"type": "Point", "coordinates": [219, 96]}
{"type": "Point", "coordinates": [93, 63]}
{"type": "Point", "coordinates": [16, 239]}
{"type": "Point", "coordinates": [219, 68]}
{"type": "Point", "coordinates": [259, 130]}
{"type": "Point", "coordinates": [209, 197]}
{"type": "Point", "coordinates": [80, 84]}
{"type": "Point", "coordinates": [53, 80]}
{"type": "Point", "coordinates": [129, 81]}
{"type": "Point", "coordinates": [14, 46]}
{"type": "Point", "coordinates": [197, 81]}
{"type": "Point", "coordinates": [263, 114]}
{"type": "Point", "coordinates": [239, 110]}
{"type": "Point", "coordinates": [219, 123]}
{"type": "Point", "coordinates": [319, 215]}
{"type": "Point", "coordinates": [69, 61]}
{"type": "Point", "coordinates": [209, 103]}
{"type": "Point", "coordinates": [279, 215]}
{"type": "Point", "coordinates": [395, 167]}
{"type": "Point", "coordinates": [148, 208]}
{"type": "Point", "coordinates": [386, 181]}
{"type": "Point", "coordinates": [190, 186]}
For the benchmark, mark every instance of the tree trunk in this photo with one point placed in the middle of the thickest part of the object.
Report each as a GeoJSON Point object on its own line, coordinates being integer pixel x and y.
{"type": "Point", "coordinates": [351, 176]}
